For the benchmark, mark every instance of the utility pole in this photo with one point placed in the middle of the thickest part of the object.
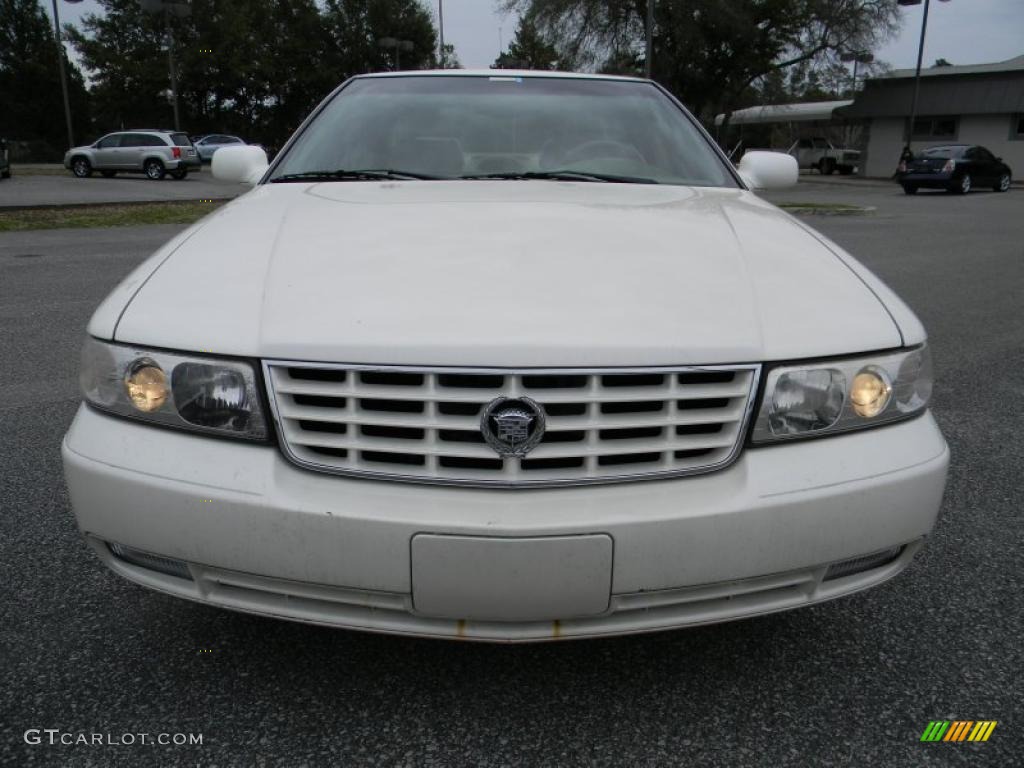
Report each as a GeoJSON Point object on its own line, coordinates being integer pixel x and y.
{"type": "Point", "coordinates": [440, 29]}
{"type": "Point", "coordinates": [173, 72]}
{"type": "Point", "coordinates": [649, 53]}
{"type": "Point", "coordinates": [178, 8]}
{"type": "Point", "coordinates": [63, 74]}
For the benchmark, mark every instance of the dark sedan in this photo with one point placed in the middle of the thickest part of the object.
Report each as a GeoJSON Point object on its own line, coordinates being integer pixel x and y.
{"type": "Point", "coordinates": [957, 168]}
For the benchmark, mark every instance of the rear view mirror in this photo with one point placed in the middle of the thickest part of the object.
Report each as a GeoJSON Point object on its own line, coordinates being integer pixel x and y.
{"type": "Point", "coordinates": [768, 170]}
{"type": "Point", "coordinates": [239, 164]}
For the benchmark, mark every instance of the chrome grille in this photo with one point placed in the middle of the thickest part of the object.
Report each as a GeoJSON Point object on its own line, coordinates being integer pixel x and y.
{"type": "Point", "coordinates": [423, 424]}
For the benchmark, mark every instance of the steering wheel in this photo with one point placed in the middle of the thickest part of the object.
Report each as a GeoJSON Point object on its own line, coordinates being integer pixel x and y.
{"type": "Point", "coordinates": [602, 148]}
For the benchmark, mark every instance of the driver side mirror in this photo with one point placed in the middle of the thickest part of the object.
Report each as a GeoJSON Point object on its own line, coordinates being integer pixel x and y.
{"type": "Point", "coordinates": [768, 170]}
{"type": "Point", "coordinates": [239, 164]}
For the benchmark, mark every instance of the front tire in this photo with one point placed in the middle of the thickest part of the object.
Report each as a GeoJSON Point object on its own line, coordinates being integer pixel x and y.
{"type": "Point", "coordinates": [910, 189]}
{"type": "Point", "coordinates": [1003, 185]}
{"type": "Point", "coordinates": [154, 170]}
{"type": "Point", "coordinates": [81, 168]}
{"type": "Point", "coordinates": [963, 186]}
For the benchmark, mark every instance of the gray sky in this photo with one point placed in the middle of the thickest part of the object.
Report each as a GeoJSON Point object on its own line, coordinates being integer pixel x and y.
{"type": "Point", "coordinates": [963, 31]}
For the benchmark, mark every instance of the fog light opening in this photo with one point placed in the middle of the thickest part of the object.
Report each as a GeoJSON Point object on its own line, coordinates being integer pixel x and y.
{"type": "Point", "coordinates": [863, 563]}
{"type": "Point", "coordinates": [165, 565]}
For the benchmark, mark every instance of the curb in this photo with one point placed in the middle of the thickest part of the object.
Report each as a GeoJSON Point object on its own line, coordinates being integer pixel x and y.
{"type": "Point", "coordinates": [859, 210]}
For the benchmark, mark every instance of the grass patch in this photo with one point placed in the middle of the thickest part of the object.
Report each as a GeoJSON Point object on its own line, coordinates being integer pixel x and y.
{"type": "Point", "coordinates": [113, 215]}
{"type": "Point", "coordinates": [39, 169]}
{"type": "Point", "coordinates": [834, 207]}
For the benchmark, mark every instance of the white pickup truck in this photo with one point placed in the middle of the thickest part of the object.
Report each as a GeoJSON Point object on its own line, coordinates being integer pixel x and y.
{"type": "Point", "coordinates": [819, 153]}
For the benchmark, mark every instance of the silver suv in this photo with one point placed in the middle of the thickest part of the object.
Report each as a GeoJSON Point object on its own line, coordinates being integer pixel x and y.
{"type": "Point", "coordinates": [151, 152]}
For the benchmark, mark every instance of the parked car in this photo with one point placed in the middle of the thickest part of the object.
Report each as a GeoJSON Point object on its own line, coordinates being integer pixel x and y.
{"type": "Point", "coordinates": [5, 160]}
{"type": "Point", "coordinates": [207, 145]}
{"type": "Point", "coordinates": [148, 151]}
{"type": "Point", "coordinates": [509, 357]}
{"type": "Point", "coordinates": [956, 168]}
{"type": "Point", "coordinates": [820, 154]}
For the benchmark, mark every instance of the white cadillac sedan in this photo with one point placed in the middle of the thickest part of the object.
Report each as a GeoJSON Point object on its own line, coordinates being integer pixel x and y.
{"type": "Point", "coordinates": [504, 356]}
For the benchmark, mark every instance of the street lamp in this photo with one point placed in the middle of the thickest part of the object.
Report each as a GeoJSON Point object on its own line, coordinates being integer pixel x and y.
{"type": "Point", "coordinates": [917, 73]}
{"type": "Point", "coordinates": [399, 45]}
{"type": "Point", "coordinates": [857, 57]}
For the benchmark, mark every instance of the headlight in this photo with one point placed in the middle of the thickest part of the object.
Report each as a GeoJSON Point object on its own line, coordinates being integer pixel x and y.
{"type": "Point", "coordinates": [839, 395]}
{"type": "Point", "coordinates": [176, 390]}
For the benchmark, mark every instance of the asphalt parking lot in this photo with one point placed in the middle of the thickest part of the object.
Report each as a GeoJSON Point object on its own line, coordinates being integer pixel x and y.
{"type": "Point", "coordinates": [57, 188]}
{"type": "Point", "coordinates": [848, 683]}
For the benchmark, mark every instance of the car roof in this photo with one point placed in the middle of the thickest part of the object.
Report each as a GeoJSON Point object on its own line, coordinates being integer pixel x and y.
{"type": "Point", "coordinates": [503, 73]}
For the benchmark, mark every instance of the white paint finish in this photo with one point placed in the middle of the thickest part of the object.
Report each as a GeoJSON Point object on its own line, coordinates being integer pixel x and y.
{"type": "Point", "coordinates": [239, 164]}
{"type": "Point", "coordinates": [778, 508]}
{"type": "Point", "coordinates": [487, 578]}
{"type": "Point", "coordinates": [499, 273]}
{"type": "Point", "coordinates": [104, 320]}
{"type": "Point", "coordinates": [768, 170]}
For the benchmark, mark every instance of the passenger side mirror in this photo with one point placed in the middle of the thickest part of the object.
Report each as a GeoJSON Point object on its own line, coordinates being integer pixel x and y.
{"type": "Point", "coordinates": [768, 170]}
{"type": "Point", "coordinates": [239, 164]}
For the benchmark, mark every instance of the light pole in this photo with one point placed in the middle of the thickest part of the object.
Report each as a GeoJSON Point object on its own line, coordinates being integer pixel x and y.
{"type": "Point", "coordinates": [168, 7]}
{"type": "Point", "coordinates": [399, 45]}
{"type": "Point", "coordinates": [63, 74]}
{"type": "Point", "coordinates": [917, 72]}
{"type": "Point", "coordinates": [649, 42]}
{"type": "Point", "coordinates": [857, 57]}
{"type": "Point", "coordinates": [440, 30]}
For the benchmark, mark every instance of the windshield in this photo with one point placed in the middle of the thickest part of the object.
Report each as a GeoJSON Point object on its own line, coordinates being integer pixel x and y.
{"type": "Point", "coordinates": [941, 152]}
{"type": "Point", "coordinates": [455, 127]}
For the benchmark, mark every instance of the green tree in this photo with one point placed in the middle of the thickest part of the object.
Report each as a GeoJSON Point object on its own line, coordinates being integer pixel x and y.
{"type": "Point", "coordinates": [123, 51]}
{"type": "Point", "coordinates": [357, 26]}
{"type": "Point", "coordinates": [451, 58]}
{"type": "Point", "coordinates": [30, 92]}
{"type": "Point", "coordinates": [251, 67]}
{"type": "Point", "coordinates": [529, 49]}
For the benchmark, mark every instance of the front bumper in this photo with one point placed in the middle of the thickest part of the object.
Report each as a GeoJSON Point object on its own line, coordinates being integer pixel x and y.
{"type": "Point", "coordinates": [260, 535]}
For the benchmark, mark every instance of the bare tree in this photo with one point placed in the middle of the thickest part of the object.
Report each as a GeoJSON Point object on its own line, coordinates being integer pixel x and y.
{"type": "Point", "coordinates": [708, 52]}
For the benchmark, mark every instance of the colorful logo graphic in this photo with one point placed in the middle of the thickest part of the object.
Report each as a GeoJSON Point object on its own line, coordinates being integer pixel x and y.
{"type": "Point", "coordinates": [958, 730]}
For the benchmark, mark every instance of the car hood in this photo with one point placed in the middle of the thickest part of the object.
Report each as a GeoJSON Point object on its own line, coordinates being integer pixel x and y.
{"type": "Point", "coordinates": [501, 273]}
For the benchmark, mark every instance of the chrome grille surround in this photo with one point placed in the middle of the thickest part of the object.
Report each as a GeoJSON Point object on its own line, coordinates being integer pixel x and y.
{"type": "Point", "coordinates": [422, 424]}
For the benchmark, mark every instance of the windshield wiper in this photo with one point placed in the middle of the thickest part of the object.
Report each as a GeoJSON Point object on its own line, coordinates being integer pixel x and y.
{"type": "Point", "coordinates": [342, 174]}
{"type": "Point", "coordinates": [563, 175]}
